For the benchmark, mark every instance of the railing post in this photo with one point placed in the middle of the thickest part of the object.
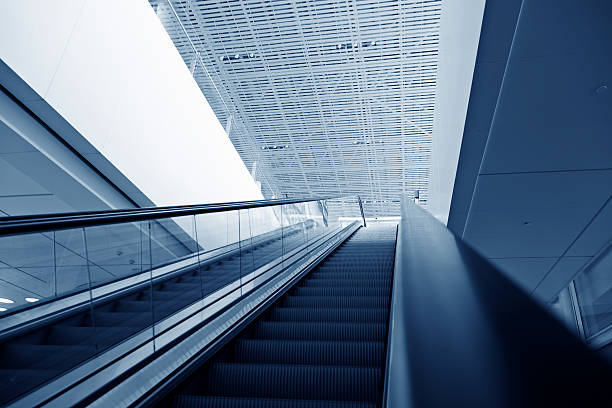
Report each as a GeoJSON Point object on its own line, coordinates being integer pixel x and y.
{"type": "Point", "coordinates": [361, 209]}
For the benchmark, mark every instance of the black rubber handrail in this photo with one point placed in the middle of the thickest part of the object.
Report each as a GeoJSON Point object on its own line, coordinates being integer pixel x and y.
{"type": "Point", "coordinates": [46, 222]}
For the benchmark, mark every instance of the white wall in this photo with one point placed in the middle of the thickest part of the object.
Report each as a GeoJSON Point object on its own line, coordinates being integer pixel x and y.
{"type": "Point", "coordinates": [459, 35]}
{"type": "Point", "coordinates": [112, 72]}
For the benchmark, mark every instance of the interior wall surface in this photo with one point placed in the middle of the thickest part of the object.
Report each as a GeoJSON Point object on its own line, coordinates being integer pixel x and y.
{"type": "Point", "coordinates": [459, 34]}
{"type": "Point", "coordinates": [105, 79]}
{"type": "Point", "coordinates": [534, 185]}
{"type": "Point", "coordinates": [111, 71]}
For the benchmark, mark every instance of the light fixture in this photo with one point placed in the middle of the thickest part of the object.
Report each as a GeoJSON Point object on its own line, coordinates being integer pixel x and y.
{"type": "Point", "coordinates": [275, 147]}
{"type": "Point", "coordinates": [3, 309]}
{"type": "Point", "coordinates": [31, 299]}
{"type": "Point", "coordinates": [4, 300]}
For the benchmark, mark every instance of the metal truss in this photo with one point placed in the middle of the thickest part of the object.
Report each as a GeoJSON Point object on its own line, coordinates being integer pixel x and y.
{"type": "Point", "coordinates": [319, 97]}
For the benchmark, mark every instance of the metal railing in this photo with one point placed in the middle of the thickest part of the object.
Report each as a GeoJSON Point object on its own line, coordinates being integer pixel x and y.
{"type": "Point", "coordinates": [44, 222]}
{"type": "Point", "coordinates": [153, 273]}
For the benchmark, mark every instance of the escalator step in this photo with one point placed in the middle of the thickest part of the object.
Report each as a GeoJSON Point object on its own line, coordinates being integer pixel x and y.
{"type": "Point", "coordinates": [320, 331]}
{"type": "Point", "coordinates": [342, 302]}
{"type": "Point", "coordinates": [368, 354]}
{"type": "Point", "coordinates": [345, 283]}
{"type": "Point", "coordinates": [349, 276]}
{"type": "Point", "coordinates": [336, 291]}
{"type": "Point", "coordinates": [295, 381]}
{"type": "Point", "coordinates": [199, 401]}
{"type": "Point", "coordinates": [328, 315]}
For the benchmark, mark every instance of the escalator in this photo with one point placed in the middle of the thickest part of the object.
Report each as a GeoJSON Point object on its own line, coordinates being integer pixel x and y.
{"type": "Point", "coordinates": [322, 344]}
{"type": "Point", "coordinates": [36, 356]}
{"type": "Point", "coordinates": [296, 310]}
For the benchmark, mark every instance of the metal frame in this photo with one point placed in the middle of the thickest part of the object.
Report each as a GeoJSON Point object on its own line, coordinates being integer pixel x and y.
{"type": "Point", "coordinates": [324, 97]}
{"type": "Point", "coordinates": [576, 310]}
{"type": "Point", "coordinates": [45, 222]}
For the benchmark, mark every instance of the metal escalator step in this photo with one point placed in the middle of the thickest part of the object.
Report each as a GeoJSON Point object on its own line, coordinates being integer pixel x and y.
{"type": "Point", "coordinates": [199, 401]}
{"type": "Point", "coordinates": [295, 381]}
{"type": "Point", "coordinates": [341, 302]}
{"type": "Point", "coordinates": [373, 315]}
{"type": "Point", "coordinates": [356, 271]}
{"type": "Point", "coordinates": [346, 283]}
{"type": "Point", "coordinates": [367, 354]}
{"type": "Point", "coordinates": [321, 345]}
{"type": "Point", "coordinates": [348, 275]}
{"type": "Point", "coordinates": [335, 291]}
{"type": "Point", "coordinates": [324, 331]}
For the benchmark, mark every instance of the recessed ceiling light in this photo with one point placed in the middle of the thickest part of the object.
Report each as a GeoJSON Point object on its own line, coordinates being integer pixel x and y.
{"type": "Point", "coordinates": [31, 300]}
{"type": "Point", "coordinates": [4, 300]}
{"type": "Point", "coordinates": [3, 309]}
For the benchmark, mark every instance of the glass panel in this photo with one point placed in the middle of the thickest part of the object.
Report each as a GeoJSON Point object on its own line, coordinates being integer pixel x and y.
{"type": "Point", "coordinates": [162, 266]}
{"type": "Point", "coordinates": [342, 211]}
{"type": "Point", "coordinates": [218, 237]}
{"type": "Point", "coordinates": [116, 251]}
{"type": "Point", "coordinates": [72, 273]}
{"type": "Point", "coordinates": [316, 221]}
{"type": "Point", "coordinates": [293, 230]}
{"type": "Point", "coordinates": [46, 265]}
{"type": "Point", "coordinates": [173, 240]}
{"type": "Point", "coordinates": [111, 322]}
{"type": "Point", "coordinates": [41, 266]}
{"type": "Point", "coordinates": [594, 293]}
{"type": "Point", "coordinates": [266, 228]}
{"type": "Point", "coordinates": [247, 264]}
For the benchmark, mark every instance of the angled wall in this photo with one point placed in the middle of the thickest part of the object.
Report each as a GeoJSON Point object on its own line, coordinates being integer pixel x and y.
{"type": "Point", "coordinates": [106, 77]}
{"type": "Point", "coordinates": [533, 190]}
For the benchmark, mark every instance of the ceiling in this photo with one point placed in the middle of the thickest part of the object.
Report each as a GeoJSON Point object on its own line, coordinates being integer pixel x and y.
{"type": "Point", "coordinates": [534, 183]}
{"type": "Point", "coordinates": [320, 98]}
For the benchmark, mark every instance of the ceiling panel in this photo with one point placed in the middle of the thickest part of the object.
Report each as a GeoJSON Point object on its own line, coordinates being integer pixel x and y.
{"type": "Point", "coordinates": [526, 272]}
{"type": "Point", "coordinates": [554, 108]}
{"type": "Point", "coordinates": [564, 135]}
{"type": "Point", "coordinates": [596, 235]}
{"type": "Point", "coordinates": [559, 277]}
{"type": "Point", "coordinates": [321, 98]}
{"type": "Point", "coordinates": [544, 177]}
{"type": "Point", "coordinates": [534, 214]}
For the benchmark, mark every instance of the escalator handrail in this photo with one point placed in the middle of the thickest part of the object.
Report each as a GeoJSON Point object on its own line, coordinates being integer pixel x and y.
{"type": "Point", "coordinates": [45, 222]}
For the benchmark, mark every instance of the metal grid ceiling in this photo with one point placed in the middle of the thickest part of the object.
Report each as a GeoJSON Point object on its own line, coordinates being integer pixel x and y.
{"type": "Point", "coordinates": [319, 97]}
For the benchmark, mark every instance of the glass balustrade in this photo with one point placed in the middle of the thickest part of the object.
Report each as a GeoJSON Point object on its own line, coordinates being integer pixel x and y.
{"type": "Point", "coordinates": [135, 280]}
